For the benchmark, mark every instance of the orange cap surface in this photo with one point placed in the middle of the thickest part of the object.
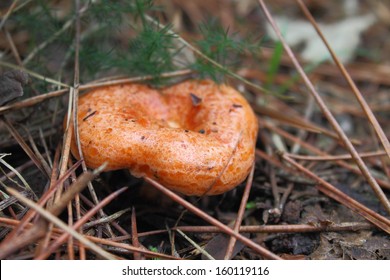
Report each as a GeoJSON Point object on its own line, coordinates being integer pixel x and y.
{"type": "Point", "coordinates": [196, 137]}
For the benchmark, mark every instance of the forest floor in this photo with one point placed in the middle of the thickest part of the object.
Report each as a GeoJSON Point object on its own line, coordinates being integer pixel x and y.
{"type": "Point", "coordinates": [307, 198]}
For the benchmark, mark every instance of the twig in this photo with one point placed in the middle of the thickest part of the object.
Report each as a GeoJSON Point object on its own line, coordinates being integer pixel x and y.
{"type": "Point", "coordinates": [285, 195]}
{"type": "Point", "coordinates": [301, 228]}
{"type": "Point", "coordinates": [240, 214]}
{"type": "Point", "coordinates": [274, 187]}
{"type": "Point", "coordinates": [335, 157]}
{"type": "Point", "coordinates": [134, 234]}
{"type": "Point", "coordinates": [293, 228]}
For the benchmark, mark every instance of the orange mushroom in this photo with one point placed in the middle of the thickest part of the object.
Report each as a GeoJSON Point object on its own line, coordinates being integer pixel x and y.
{"type": "Point", "coordinates": [196, 137]}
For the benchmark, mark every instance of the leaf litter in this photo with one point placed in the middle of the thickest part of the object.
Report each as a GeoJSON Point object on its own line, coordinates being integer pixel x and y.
{"type": "Point", "coordinates": [310, 225]}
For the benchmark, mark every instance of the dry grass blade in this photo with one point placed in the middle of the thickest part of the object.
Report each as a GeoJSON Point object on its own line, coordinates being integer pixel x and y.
{"type": "Point", "coordinates": [13, 47]}
{"type": "Point", "coordinates": [34, 74]}
{"type": "Point", "coordinates": [60, 240]}
{"type": "Point", "coordinates": [53, 219]}
{"type": "Point", "coordinates": [193, 243]}
{"type": "Point", "coordinates": [295, 121]}
{"type": "Point", "coordinates": [327, 113]}
{"type": "Point", "coordinates": [8, 13]}
{"type": "Point", "coordinates": [366, 108]}
{"type": "Point", "coordinates": [335, 157]}
{"type": "Point", "coordinates": [36, 151]}
{"type": "Point", "coordinates": [74, 189]}
{"type": "Point", "coordinates": [42, 45]}
{"type": "Point", "coordinates": [132, 249]}
{"type": "Point", "coordinates": [107, 219]}
{"type": "Point", "coordinates": [31, 101]}
{"type": "Point", "coordinates": [43, 199]}
{"type": "Point", "coordinates": [26, 185]}
{"type": "Point", "coordinates": [261, 250]}
{"type": "Point", "coordinates": [14, 242]}
{"type": "Point", "coordinates": [24, 145]}
{"type": "Point", "coordinates": [240, 214]}
{"type": "Point", "coordinates": [14, 223]}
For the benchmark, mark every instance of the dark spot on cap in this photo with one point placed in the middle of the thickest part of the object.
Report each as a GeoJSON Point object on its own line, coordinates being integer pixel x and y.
{"type": "Point", "coordinates": [196, 100]}
{"type": "Point", "coordinates": [142, 137]}
{"type": "Point", "coordinates": [214, 123]}
{"type": "Point", "coordinates": [202, 131]}
{"type": "Point", "coordinates": [186, 130]}
{"type": "Point", "coordinates": [89, 115]}
{"type": "Point", "coordinates": [237, 106]}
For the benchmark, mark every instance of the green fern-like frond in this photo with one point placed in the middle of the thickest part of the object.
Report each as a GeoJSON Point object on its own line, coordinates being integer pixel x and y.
{"type": "Point", "coordinates": [150, 52]}
{"type": "Point", "coordinates": [112, 13]}
{"type": "Point", "coordinates": [221, 46]}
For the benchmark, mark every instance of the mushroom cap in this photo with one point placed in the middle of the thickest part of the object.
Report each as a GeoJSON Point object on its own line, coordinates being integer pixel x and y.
{"type": "Point", "coordinates": [196, 137]}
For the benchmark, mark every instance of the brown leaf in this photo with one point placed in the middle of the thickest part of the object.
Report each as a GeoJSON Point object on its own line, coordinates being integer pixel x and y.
{"type": "Point", "coordinates": [11, 85]}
